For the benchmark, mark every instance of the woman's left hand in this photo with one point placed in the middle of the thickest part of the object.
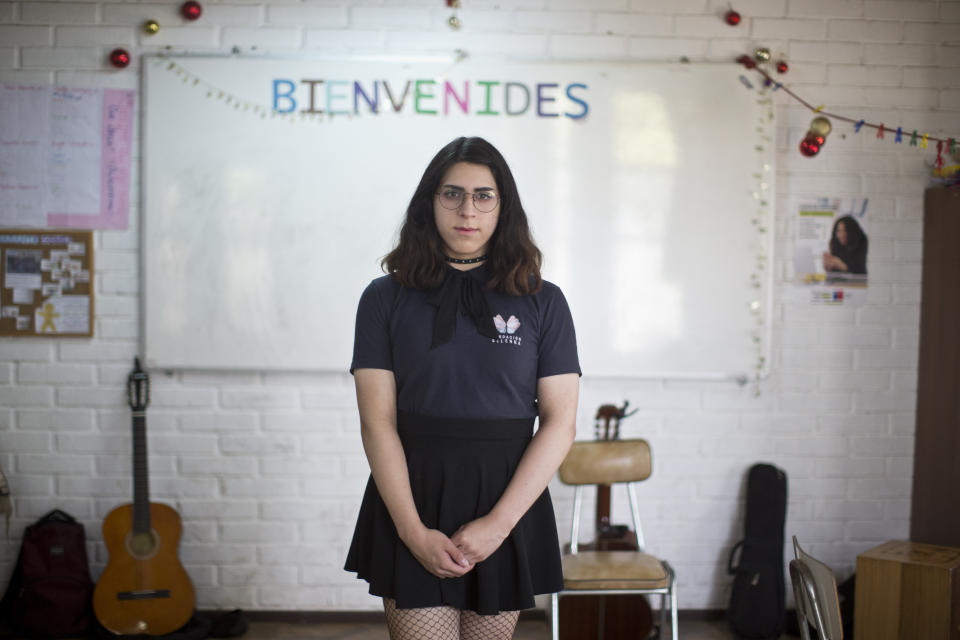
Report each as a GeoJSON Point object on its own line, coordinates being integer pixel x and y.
{"type": "Point", "coordinates": [479, 538]}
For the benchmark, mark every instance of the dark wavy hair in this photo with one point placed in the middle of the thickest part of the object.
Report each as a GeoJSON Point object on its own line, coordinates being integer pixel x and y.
{"type": "Point", "coordinates": [855, 235]}
{"type": "Point", "coordinates": [418, 259]}
{"type": "Point", "coordinates": [854, 253]}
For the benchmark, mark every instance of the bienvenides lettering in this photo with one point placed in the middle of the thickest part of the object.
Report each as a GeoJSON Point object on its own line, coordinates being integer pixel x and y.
{"type": "Point", "coordinates": [431, 97]}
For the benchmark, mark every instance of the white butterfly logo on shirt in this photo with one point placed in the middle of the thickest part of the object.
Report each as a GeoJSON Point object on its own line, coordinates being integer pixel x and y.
{"type": "Point", "coordinates": [509, 327]}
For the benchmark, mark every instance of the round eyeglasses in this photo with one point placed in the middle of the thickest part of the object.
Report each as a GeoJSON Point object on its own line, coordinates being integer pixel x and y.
{"type": "Point", "coordinates": [483, 201]}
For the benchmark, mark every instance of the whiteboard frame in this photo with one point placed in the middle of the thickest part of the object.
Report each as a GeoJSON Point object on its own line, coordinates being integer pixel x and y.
{"type": "Point", "coordinates": [766, 240]}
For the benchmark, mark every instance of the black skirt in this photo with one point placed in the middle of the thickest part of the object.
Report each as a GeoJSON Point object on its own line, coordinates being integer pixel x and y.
{"type": "Point", "coordinates": [458, 470]}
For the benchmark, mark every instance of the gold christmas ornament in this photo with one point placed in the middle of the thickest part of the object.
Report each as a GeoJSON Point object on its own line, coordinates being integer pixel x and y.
{"type": "Point", "coordinates": [151, 26]}
{"type": "Point", "coordinates": [821, 126]}
{"type": "Point", "coordinates": [454, 22]}
{"type": "Point", "coordinates": [762, 54]}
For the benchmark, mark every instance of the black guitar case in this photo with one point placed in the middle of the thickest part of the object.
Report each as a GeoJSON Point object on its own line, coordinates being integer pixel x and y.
{"type": "Point", "coordinates": [757, 600]}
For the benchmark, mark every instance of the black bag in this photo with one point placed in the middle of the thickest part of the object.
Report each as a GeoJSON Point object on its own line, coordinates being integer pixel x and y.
{"type": "Point", "coordinates": [50, 592]}
{"type": "Point", "coordinates": [757, 600]}
{"type": "Point", "coordinates": [227, 625]}
{"type": "Point", "coordinates": [196, 628]}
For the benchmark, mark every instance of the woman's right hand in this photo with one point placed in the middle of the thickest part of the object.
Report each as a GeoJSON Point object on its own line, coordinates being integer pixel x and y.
{"type": "Point", "coordinates": [437, 553]}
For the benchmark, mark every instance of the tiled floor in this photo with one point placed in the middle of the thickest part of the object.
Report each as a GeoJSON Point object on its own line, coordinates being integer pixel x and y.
{"type": "Point", "coordinates": [526, 630]}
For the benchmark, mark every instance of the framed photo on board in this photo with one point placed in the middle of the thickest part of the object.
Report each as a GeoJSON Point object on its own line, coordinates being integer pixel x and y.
{"type": "Point", "coordinates": [46, 283]}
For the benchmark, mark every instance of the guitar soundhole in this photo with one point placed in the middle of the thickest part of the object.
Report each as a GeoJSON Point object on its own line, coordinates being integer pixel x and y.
{"type": "Point", "coordinates": [143, 545]}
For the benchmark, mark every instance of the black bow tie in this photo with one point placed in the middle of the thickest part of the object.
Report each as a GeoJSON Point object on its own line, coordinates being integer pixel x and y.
{"type": "Point", "coordinates": [460, 288]}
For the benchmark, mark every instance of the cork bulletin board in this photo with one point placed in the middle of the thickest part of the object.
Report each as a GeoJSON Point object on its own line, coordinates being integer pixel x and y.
{"type": "Point", "coordinates": [46, 283]}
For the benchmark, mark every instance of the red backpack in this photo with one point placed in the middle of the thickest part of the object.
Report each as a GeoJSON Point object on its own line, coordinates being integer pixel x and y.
{"type": "Point", "coordinates": [50, 591]}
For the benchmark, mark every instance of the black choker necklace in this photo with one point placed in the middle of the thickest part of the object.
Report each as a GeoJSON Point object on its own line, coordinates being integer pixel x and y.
{"type": "Point", "coordinates": [467, 261]}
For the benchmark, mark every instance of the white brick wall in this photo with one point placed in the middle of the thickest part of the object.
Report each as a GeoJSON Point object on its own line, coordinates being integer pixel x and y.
{"type": "Point", "coordinates": [267, 469]}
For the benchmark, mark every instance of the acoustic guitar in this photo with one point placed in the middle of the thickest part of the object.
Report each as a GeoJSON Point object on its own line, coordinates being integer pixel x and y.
{"type": "Point", "coordinates": [144, 588]}
{"type": "Point", "coordinates": [615, 616]}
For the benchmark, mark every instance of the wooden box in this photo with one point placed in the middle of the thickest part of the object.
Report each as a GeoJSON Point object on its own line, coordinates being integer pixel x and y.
{"type": "Point", "coordinates": [908, 591]}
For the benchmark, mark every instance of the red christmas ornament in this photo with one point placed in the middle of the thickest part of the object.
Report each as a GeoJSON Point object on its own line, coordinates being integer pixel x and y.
{"type": "Point", "coordinates": [732, 18]}
{"type": "Point", "coordinates": [747, 61]}
{"type": "Point", "coordinates": [782, 67]}
{"type": "Point", "coordinates": [811, 143]}
{"type": "Point", "coordinates": [119, 58]}
{"type": "Point", "coordinates": [191, 10]}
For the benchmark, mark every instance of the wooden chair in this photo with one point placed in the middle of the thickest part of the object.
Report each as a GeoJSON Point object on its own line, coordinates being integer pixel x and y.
{"type": "Point", "coordinates": [612, 572]}
{"type": "Point", "coordinates": [815, 592]}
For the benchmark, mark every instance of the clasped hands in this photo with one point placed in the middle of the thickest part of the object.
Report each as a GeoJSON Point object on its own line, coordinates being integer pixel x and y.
{"type": "Point", "coordinates": [455, 556]}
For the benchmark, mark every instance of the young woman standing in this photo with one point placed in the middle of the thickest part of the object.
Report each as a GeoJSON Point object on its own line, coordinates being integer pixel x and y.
{"type": "Point", "coordinates": [457, 351]}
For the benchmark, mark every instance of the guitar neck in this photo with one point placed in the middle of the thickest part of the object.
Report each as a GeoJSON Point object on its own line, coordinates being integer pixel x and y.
{"type": "Point", "coordinates": [141, 484]}
{"type": "Point", "coordinates": [603, 505]}
{"type": "Point", "coordinates": [607, 430]}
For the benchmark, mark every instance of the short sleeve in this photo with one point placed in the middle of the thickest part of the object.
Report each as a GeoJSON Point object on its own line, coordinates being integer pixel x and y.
{"type": "Point", "coordinates": [558, 341]}
{"type": "Point", "coordinates": [371, 337]}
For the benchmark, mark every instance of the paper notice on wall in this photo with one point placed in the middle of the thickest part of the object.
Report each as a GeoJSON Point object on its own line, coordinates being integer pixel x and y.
{"type": "Point", "coordinates": [830, 251]}
{"type": "Point", "coordinates": [63, 314]}
{"type": "Point", "coordinates": [22, 269]}
{"type": "Point", "coordinates": [74, 158]}
{"type": "Point", "coordinates": [65, 156]}
{"type": "Point", "coordinates": [24, 139]}
{"type": "Point", "coordinates": [23, 296]}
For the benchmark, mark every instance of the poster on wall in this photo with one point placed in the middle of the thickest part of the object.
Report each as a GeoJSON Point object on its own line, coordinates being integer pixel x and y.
{"type": "Point", "coordinates": [66, 157]}
{"type": "Point", "coordinates": [830, 251]}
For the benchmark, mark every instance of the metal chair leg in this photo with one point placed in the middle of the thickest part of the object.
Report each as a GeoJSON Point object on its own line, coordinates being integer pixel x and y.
{"type": "Point", "coordinates": [554, 617]}
{"type": "Point", "coordinates": [673, 609]}
{"type": "Point", "coordinates": [663, 614]}
{"type": "Point", "coordinates": [798, 598]}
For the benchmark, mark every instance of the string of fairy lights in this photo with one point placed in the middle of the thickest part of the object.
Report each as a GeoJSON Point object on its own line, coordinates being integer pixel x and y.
{"type": "Point", "coordinates": [759, 276]}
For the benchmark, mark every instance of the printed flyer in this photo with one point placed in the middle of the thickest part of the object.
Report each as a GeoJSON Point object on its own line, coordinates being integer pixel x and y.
{"type": "Point", "coordinates": [830, 251]}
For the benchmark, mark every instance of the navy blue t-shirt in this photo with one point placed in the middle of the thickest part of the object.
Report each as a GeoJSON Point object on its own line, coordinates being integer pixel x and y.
{"type": "Point", "coordinates": [471, 376]}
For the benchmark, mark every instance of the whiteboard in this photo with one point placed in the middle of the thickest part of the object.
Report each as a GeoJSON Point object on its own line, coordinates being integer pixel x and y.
{"type": "Point", "coordinates": [263, 223]}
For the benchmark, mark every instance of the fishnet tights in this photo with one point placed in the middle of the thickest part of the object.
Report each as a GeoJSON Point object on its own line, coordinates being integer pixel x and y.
{"type": "Point", "coordinates": [447, 623]}
{"type": "Point", "coordinates": [474, 626]}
